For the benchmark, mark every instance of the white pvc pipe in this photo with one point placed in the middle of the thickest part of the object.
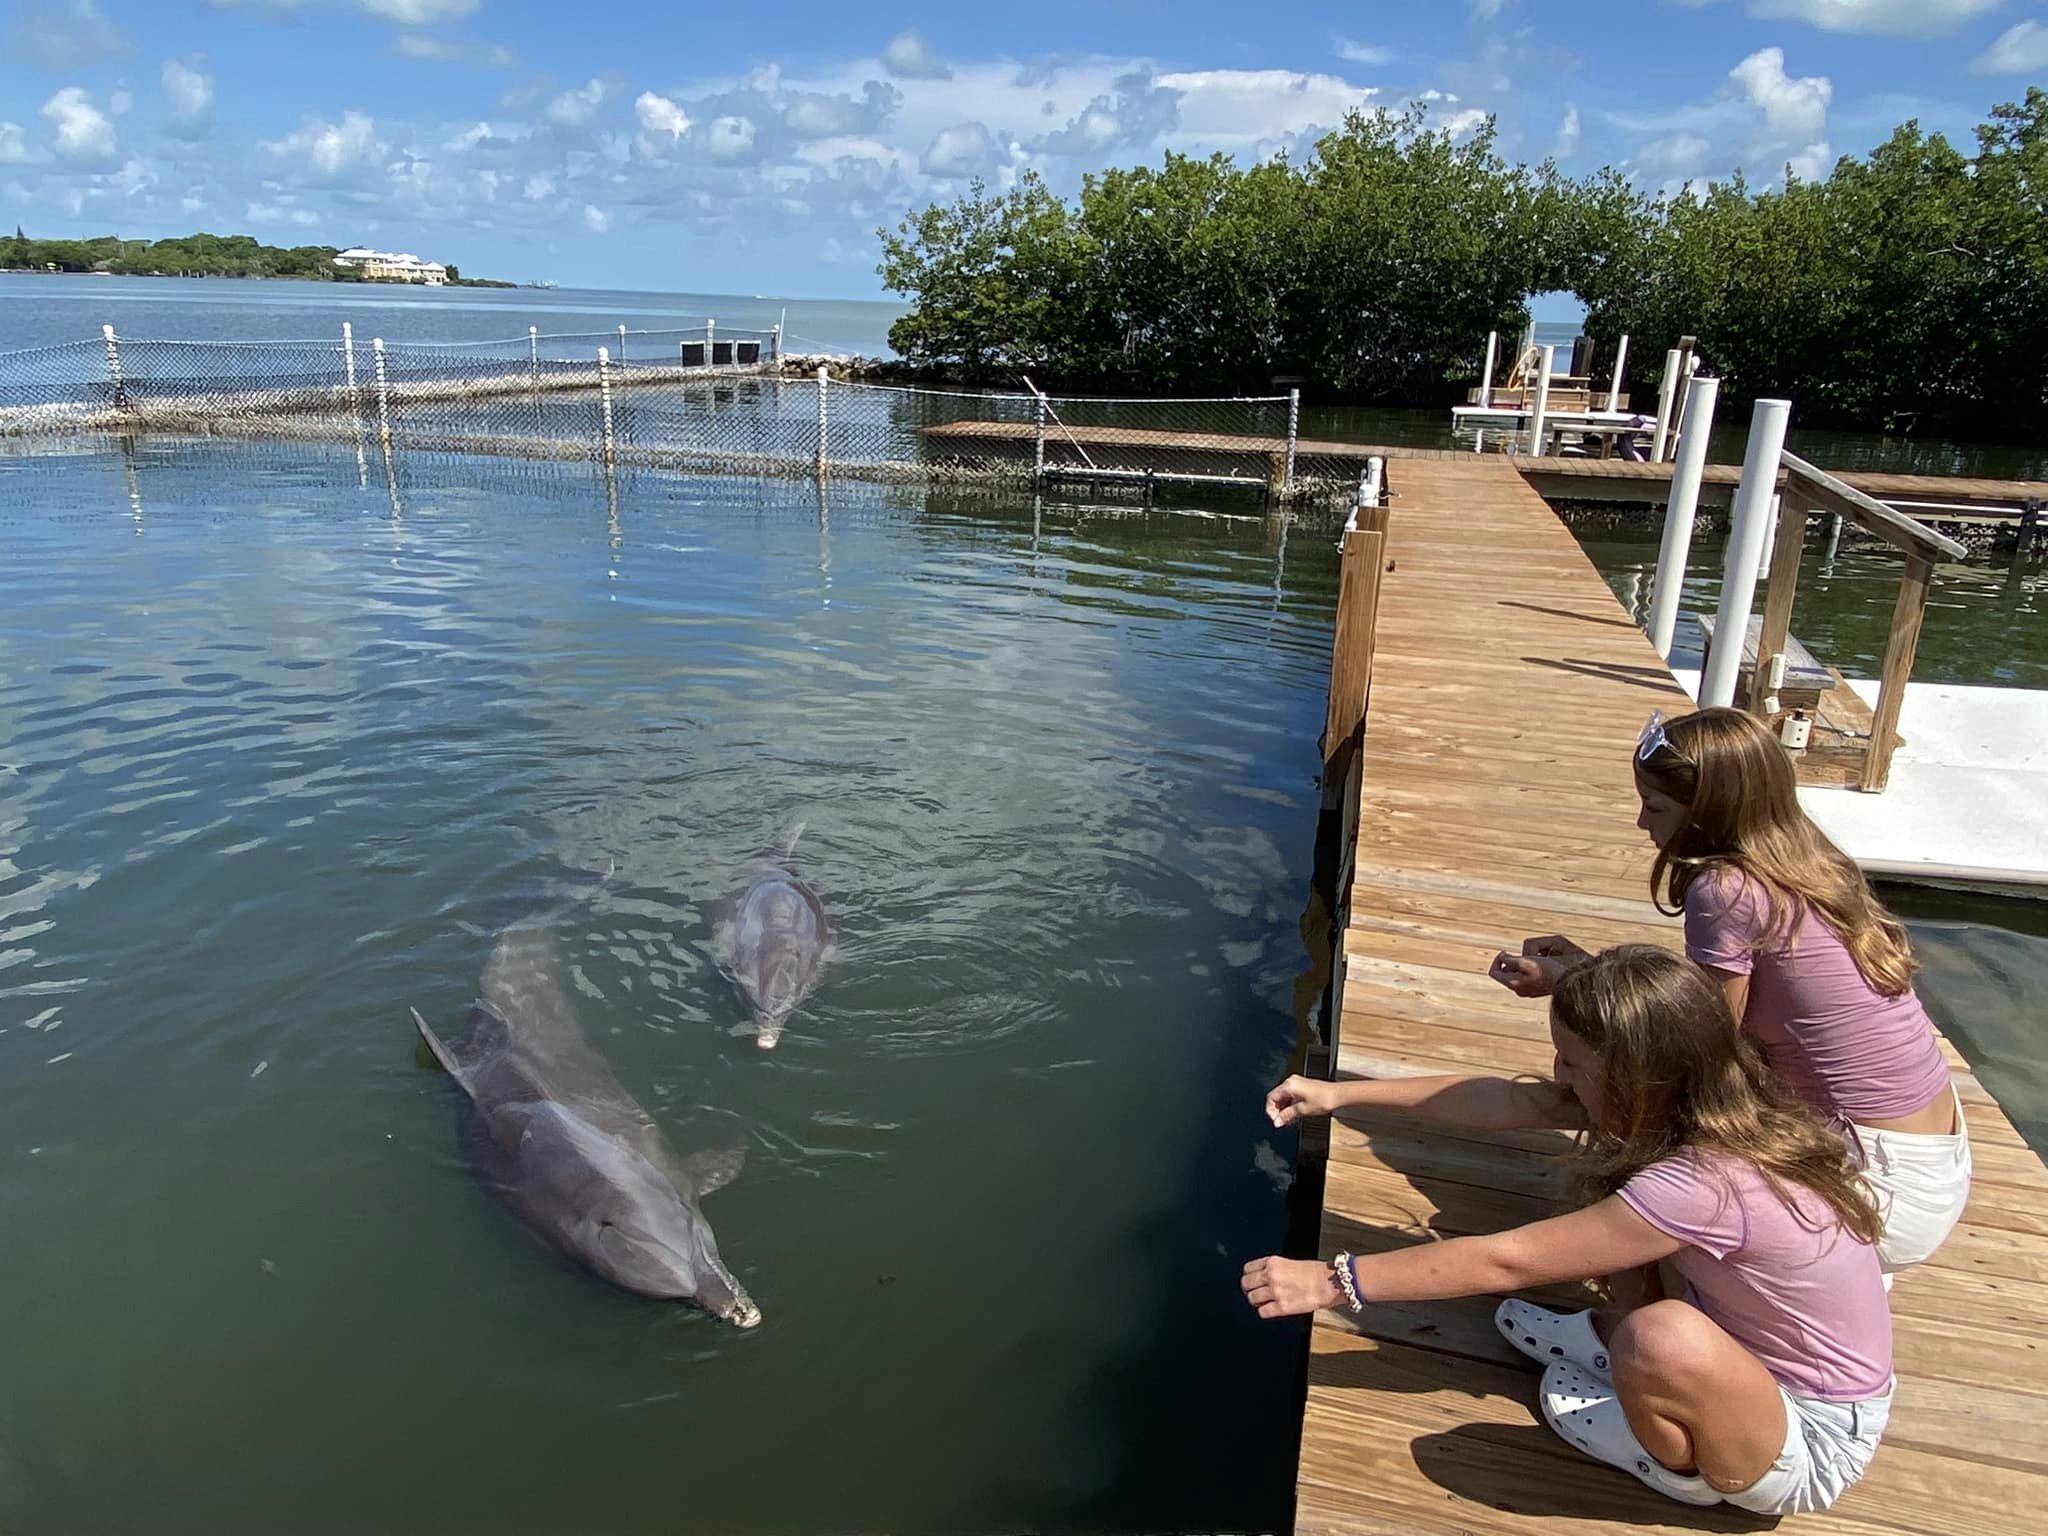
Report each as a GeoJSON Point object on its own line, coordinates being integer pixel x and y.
{"type": "Point", "coordinates": [1486, 374]}
{"type": "Point", "coordinates": [1749, 524]}
{"type": "Point", "coordinates": [1665, 394]}
{"type": "Point", "coordinates": [1544, 360]}
{"type": "Point", "coordinates": [1676, 548]}
{"type": "Point", "coordinates": [1620, 367]}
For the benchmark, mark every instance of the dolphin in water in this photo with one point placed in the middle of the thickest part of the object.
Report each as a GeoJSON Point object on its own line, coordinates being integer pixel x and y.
{"type": "Point", "coordinates": [774, 937]}
{"type": "Point", "coordinates": [552, 1131]}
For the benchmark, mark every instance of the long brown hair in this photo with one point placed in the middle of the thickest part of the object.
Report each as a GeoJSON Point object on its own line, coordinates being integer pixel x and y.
{"type": "Point", "coordinates": [1742, 812]}
{"type": "Point", "coordinates": [1673, 1075]}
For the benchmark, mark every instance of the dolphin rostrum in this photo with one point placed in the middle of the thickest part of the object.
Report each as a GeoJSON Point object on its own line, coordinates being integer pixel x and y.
{"type": "Point", "coordinates": [553, 1132]}
{"type": "Point", "coordinates": [774, 937]}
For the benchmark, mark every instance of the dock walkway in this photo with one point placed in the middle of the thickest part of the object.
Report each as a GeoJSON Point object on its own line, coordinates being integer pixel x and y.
{"type": "Point", "coordinates": [1507, 689]}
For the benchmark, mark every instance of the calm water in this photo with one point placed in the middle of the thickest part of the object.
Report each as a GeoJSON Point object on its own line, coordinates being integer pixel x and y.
{"type": "Point", "coordinates": [273, 762]}
{"type": "Point", "coordinates": [37, 311]}
{"type": "Point", "coordinates": [1985, 958]}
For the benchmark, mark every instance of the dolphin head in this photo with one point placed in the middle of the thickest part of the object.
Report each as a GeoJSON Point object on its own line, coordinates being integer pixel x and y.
{"type": "Point", "coordinates": [649, 1241]}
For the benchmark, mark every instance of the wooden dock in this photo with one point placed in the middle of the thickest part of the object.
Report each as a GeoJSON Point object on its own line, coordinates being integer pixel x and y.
{"type": "Point", "coordinates": [1507, 688]}
{"type": "Point", "coordinates": [1587, 479]}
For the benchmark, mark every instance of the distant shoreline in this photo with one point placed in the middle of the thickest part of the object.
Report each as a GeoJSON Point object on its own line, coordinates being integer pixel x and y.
{"type": "Point", "coordinates": [256, 277]}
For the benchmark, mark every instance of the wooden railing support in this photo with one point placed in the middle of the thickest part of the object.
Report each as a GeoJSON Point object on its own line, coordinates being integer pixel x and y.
{"type": "Point", "coordinates": [1778, 596]}
{"type": "Point", "coordinates": [1907, 617]}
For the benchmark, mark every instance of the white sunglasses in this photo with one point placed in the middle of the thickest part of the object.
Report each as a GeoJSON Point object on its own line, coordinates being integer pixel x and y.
{"type": "Point", "coordinates": [1652, 738]}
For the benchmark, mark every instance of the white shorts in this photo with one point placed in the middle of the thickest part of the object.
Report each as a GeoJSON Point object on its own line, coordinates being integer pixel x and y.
{"type": "Point", "coordinates": [1922, 1184]}
{"type": "Point", "coordinates": [1828, 1446]}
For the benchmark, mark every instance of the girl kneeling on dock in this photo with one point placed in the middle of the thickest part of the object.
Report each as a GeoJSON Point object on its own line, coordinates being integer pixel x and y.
{"type": "Point", "coordinates": [1816, 971]}
{"type": "Point", "coordinates": [1753, 1363]}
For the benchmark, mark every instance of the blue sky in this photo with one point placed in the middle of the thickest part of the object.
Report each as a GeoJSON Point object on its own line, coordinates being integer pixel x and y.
{"type": "Point", "coordinates": [755, 148]}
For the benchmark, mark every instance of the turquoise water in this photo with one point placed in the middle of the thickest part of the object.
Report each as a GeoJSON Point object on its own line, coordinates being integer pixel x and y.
{"type": "Point", "coordinates": [275, 760]}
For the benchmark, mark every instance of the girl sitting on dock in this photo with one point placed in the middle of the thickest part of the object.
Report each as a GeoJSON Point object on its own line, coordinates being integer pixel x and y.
{"type": "Point", "coordinates": [1755, 1364]}
{"type": "Point", "coordinates": [1816, 971]}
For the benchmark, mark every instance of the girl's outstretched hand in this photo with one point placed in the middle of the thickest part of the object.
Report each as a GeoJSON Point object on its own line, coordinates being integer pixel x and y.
{"type": "Point", "coordinates": [1298, 1098]}
{"type": "Point", "coordinates": [1279, 1287]}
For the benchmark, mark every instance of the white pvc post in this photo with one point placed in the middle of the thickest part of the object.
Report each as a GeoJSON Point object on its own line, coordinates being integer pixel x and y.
{"type": "Point", "coordinates": [1038, 445]}
{"type": "Point", "coordinates": [1293, 438]}
{"type": "Point", "coordinates": [622, 344]}
{"type": "Point", "coordinates": [348, 362]}
{"type": "Point", "coordinates": [1665, 395]}
{"type": "Point", "coordinates": [775, 344]}
{"type": "Point", "coordinates": [1676, 548]}
{"type": "Point", "coordinates": [1620, 368]}
{"type": "Point", "coordinates": [710, 342]}
{"type": "Point", "coordinates": [1748, 525]}
{"type": "Point", "coordinates": [120, 390]}
{"type": "Point", "coordinates": [604, 395]}
{"type": "Point", "coordinates": [824, 378]}
{"type": "Point", "coordinates": [1486, 373]}
{"type": "Point", "coordinates": [533, 351]}
{"type": "Point", "coordinates": [1544, 359]}
{"type": "Point", "coordinates": [1763, 565]}
{"type": "Point", "coordinates": [383, 397]}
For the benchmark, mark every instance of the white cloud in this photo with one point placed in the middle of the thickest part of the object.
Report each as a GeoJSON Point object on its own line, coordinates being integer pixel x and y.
{"type": "Point", "coordinates": [420, 13]}
{"type": "Point", "coordinates": [73, 32]}
{"type": "Point", "coordinates": [425, 45]}
{"type": "Point", "coordinates": [1877, 18]}
{"type": "Point", "coordinates": [574, 108]}
{"type": "Point", "coordinates": [1361, 53]}
{"type": "Point", "coordinates": [1761, 120]}
{"type": "Point", "coordinates": [730, 137]}
{"type": "Point", "coordinates": [278, 213]}
{"type": "Point", "coordinates": [909, 57]}
{"type": "Point", "coordinates": [962, 151]}
{"type": "Point", "coordinates": [1793, 109]}
{"type": "Point", "coordinates": [2021, 51]}
{"type": "Point", "coordinates": [595, 219]}
{"type": "Point", "coordinates": [188, 91]}
{"type": "Point", "coordinates": [120, 103]}
{"type": "Point", "coordinates": [1488, 10]}
{"type": "Point", "coordinates": [658, 115]}
{"type": "Point", "coordinates": [83, 131]}
{"type": "Point", "coordinates": [539, 187]}
{"type": "Point", "coordinates": [14, 147]}
{"type": "Point", "coordinates": [1570, 132]}
{"type": "Point", "coordinates": [1251, 112]}
{"type": "Point", "coordinates": [330, 151]}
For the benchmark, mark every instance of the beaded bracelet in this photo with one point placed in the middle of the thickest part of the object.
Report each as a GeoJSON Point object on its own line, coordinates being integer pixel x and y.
{"type": "Point", "coordinates": [1347, 1281]}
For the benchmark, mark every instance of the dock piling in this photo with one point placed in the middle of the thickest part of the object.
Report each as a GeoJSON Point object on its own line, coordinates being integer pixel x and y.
{"type": "Point", "coordinates": [1546, 358]}
{"type": "Point", "coordinates": [1293, 437]}
{"type": "Point", "coordinates": [533, 352]}
{"type": "Point", "coordinates": [1486, 373]}
{"type": "Point", "coordinates": [824, 383]}
{"type": "Point", "coordinates": [1748, 526]}
{"type": "Point", "coordinates": [604, 395]}
{"type": "Point", "coordinates": [1620, 370]}
{"type": "Point", "coordinates": [1679, 514]}
{"type": "Point", "coordinates": [348, 365]}
{"type": "Point", "coordinates": [1667, 393]}
{"type": "Point", "coordinates": [118, 391]}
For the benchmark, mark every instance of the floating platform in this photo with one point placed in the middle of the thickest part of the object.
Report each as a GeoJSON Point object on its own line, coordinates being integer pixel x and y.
{"type": "Point", "coordinates": [1497, 801]}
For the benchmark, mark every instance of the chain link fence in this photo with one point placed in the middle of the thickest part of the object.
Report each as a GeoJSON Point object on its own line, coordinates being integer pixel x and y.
{"type": "Point", "coordinates": [707, 399]}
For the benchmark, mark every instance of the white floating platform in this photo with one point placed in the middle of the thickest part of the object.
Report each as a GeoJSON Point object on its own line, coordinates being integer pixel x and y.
{"type": "Point", "coordinates": [1968, 799]}
{"type": "Point", "coordinates": [1497, 417]}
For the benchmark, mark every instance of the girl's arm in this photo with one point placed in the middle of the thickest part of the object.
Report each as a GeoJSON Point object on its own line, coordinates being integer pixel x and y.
{"type": "Point", "coordinates": [1535, 971]}
{"type": "Point", "coordinates": [1476, 1103]}
{"type": "Point", "coordinates": [1733, 987]}
{"type": "Point", "coordinates": [1600, 1240]}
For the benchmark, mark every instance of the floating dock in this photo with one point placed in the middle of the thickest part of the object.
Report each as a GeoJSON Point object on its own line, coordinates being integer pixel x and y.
{"type": "Point", "coordinates": [1506, 686]}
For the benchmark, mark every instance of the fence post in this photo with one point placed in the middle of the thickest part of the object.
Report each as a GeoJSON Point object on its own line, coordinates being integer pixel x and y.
{"type": "Point", "coordinates": [775, 344]}
{"type": "Point", "coordinates": [604, 395]}
{"type": "Point", "coordinates": [348, 365]}
{"type": "Point", "coordinates": [1293, 438]}
{"type": "Point", "coordinates": [1678, 516]}
{"type": "Point", "coordinates": [383, 397]}
{"type": "Point", "coordinates": [120, 390]}
{"type": "Point", "coordinates": [533, 352]}
{"type": "Point", "coordinates": [1546, 358]}
{"type": "Point", "coordinates": [1746, 529]}
{"type": "Point", "coordinates": [1038, 445]}
{"type": "Point", "coordinates": [710, 342]}
{"type": "Point", "coordinates": [622, 344]}
{"type": "Point", "coordinates": [824, 378]}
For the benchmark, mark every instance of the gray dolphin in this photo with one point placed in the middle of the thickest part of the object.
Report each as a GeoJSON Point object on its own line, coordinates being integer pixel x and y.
{"type": "Point", "coordinates": [553, 1132]}
{"type": "Point", "coordinates": [774, 937]}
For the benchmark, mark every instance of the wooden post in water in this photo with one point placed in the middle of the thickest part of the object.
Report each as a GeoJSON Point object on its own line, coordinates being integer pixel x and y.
{"type": "Point", "coordinates": [1786, 550]}
{"type": "Point", "coordinates": [604, 395]}
{"type": "Point", "coordinates": [1747, 526]}
{"type": "Point", "coordinates": [1907, 616]}
{"type": "Point", "coordinates": [1620, 368]}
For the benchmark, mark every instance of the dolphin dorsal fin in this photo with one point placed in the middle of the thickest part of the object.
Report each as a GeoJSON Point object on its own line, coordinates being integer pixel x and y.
{"type": "Point", "coordinates": [450, 1062]}
{"type": "Point", "coordinates": [713, 1168]}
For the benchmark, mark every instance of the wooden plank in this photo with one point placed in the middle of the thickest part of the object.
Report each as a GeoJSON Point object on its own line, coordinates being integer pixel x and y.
{"type": "Point", "coordinates": [1351, 650]}
{"type": "Point", "coordinates": [1783, 587]}
{"type": "Point", "coordinates": [1498, 802]}
{"type": "Point", "coordinates": [1907, 616]}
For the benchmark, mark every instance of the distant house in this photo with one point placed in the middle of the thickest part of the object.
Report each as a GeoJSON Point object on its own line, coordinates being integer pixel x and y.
{"type": "Point", "coordinates": [392, 266]}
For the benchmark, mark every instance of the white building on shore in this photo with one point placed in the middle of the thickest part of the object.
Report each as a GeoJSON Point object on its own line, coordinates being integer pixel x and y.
{"type": "Point", "coordinates": [393, 266]}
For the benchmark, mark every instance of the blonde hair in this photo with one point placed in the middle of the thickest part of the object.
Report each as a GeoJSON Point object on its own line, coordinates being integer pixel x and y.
{"type": "Point", "coordinates": [1674, 1076]}
{"type": "Point", "coordinates": [1742, 812]}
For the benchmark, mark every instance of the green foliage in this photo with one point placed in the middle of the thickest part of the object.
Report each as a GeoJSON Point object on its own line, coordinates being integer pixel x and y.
{"type": "Point", "coordinates": [200, 255]}
{"type": "Point", "coordinates": [1909, 287]}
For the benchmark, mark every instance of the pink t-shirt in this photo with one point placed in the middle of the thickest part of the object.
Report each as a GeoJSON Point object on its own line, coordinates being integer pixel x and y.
{"type": "Point", "coordinates": [1802, 1295]}
{"type": "Point", "coordinates": [1849, 1051]}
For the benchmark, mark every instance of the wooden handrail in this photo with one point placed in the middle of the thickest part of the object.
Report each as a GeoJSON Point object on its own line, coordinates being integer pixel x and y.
{"type": "Point", "coordinates": [1831, 495]}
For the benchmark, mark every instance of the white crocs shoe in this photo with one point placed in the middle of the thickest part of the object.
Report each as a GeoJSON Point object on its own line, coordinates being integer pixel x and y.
{"type": "Point", "coordinates": [1548, 1337]}
{"type": "Point", "coordinates": [1586, 1412]}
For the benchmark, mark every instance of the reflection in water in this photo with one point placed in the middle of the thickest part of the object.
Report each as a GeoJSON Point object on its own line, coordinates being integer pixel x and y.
{"type": "Point", "coordinates": [280, 761]}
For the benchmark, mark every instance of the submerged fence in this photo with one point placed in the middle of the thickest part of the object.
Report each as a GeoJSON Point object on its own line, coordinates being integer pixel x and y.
{"type": "Point", "coordinates": [708, 399]}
